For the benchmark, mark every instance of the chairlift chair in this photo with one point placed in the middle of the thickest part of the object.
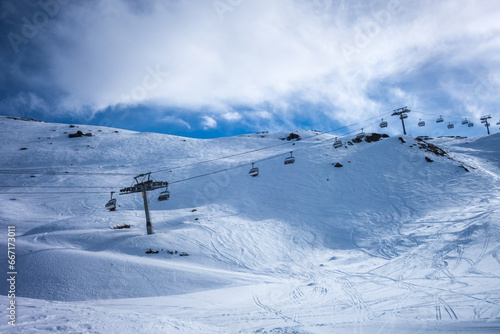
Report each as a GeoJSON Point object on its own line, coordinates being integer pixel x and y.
{"type": "Point", "coordinates": [337, 143]}
{"type": "Point", "coordinates": [383, 124]}
{"type": "Point", "coordinates": [465, 121]}
{"type": "Point", "coordinates": [498, 123]}
{"type": "Point", "coordinates": [421, 123]}
{"type": "Point", "coordinates": [403, 116]}
{"type": "Point", "coordinates": [450, 126]}
{"type": "Point", "coordinates": [111, 205]}
{"type": "Point", "coordinates": [254, 171]}
{"type": "Point", "coordinates": [290, 159]}
{"type": "Point", "coordinates": [164, 195]}
{"type": "Point", "coordinates": [440, 119]}
{"type": "Point", "coordinates": [470, 125]}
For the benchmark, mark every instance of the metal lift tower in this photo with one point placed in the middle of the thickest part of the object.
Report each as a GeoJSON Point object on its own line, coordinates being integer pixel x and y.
{"type": "Point", "coordinates": [143, 184]}
{"type": "Point", "coordinates": [402, 113]}
{"type": "Point", "coordinates": [484, 119]}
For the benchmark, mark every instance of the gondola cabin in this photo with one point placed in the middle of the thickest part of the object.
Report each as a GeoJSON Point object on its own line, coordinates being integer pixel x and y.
{"type": "Point", "coordinates": [337, 143]}
{"type": "Point", "coordinates": [164, 196]}
{"type": "Point", "coordinates": [111, 205]}
{"type": "Point", "coordinates": [361, 135]}
{"type": "Point", "coordinates": [254, 171]}
{"type": "Point", "coordinates": [290, 160]}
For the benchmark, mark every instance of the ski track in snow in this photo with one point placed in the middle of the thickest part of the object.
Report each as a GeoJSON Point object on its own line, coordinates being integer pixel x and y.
{"type": "Point", "coordinates": [389, 243]}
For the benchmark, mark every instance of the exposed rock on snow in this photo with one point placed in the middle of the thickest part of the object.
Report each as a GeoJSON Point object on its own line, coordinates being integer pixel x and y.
{"type": "Point", "coordinates": [375, 137]}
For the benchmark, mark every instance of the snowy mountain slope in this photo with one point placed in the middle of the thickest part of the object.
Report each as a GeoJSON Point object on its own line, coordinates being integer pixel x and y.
{"type": "Point", "coordinates": [301, 248]}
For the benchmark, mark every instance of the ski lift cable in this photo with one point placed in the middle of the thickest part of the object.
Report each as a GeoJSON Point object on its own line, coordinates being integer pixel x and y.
{"type": "Point", "coordinates": [210, 173]}
{"type": "Point", "coordinates": [172, 182]}
{"type": "Point", "coordinates": [332, 139]}
{"type": "Point", "coordinates": [444, 116]}
{"type": "Point", "coordinates": [52, 192]}
{"type": "Point", "coordinates": [59, 187]}
{"type": "Point", "coordinates": [31, 172]}
{"type": "Point", "coordinates": [267, 147]}
{"type": "Point", "coordinates": [258, 160]}
{"type": "Point", "coordinates": [44, 172]}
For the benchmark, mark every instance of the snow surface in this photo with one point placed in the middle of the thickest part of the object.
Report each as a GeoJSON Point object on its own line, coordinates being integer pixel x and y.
{"type": "Point", "coordinates": [389, 243]}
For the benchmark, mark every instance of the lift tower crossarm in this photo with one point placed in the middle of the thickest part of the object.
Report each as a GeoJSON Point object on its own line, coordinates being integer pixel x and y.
{"type": "Point", "coordinates": [143, 184]}
{"type": "Point", "coordinates": [402, 113]}
{"type": "Point", "coordinates": [484, 119]}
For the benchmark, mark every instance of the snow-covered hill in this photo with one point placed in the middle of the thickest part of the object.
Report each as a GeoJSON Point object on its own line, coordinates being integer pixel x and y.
{"type": "Point", "coordinates": [388, 243]}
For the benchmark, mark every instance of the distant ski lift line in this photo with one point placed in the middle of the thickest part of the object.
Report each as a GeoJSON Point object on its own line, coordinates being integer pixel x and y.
{"type": "Point", "coordinates": [60, 187]}
{"type": "Point", "coordinates": [200, 162]}
{"type": "Point", "coordinates": [268, 158]}
{"type": "Point", "coordinates": [196, 163]}
{"type": "Point", "coordinates": [210, 173]}
{"type": "Point", "coordinates": [177, 181]}
{"type": "Point", "coordinates": [267, 147]}
{"type": "Point", "coordinates": [189, 178]}
{"type": "Point", "coordinates": [10, 171]}
{"type": "Point", "coordinates": [206, 174]}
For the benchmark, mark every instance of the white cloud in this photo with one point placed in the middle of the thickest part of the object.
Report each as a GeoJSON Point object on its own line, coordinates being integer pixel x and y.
{"type": "Point", "coordinates": [265, 53]}
{"type": "Point", "coordinates": [208, 122]}
{"type": "Point", "coordinates": [232, 116]}
{"type": "Point", "coordinates": [259, 114]}
{"type": "Point", "coordinates": [175, 120]}
{"type": "Point", "coordinates": [25, 101]}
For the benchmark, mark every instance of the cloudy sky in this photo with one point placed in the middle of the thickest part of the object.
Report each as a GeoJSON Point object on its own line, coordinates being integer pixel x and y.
{"type": "Point", "coordinates": [205, 68]}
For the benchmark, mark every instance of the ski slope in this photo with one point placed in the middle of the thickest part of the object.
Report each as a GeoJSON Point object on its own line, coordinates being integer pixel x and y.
{"type": "Point", "coordinates": [388, 243]}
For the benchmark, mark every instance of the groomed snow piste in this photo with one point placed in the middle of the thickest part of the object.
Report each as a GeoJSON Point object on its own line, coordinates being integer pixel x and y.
{"type": "Point", "coordinates": [388, 243]}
